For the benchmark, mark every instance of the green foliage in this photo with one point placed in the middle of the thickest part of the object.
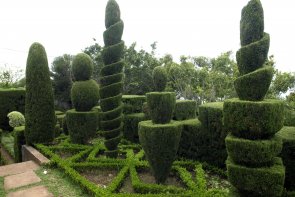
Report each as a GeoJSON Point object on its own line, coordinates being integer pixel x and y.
{"type": "Point", "coordinates": [252, 22]}
{"type": "Point", "coordinates": [16, 119]}
{"type": "Point", "coordinates": [253, 152]}
{"type": "Point", "coordinates": [110, 79]}
{"type": "Point", "coordinates": [109, 115]}
{"type": "Point", "coordinates": [39, 107]}
{"type": "Point", "coordinates": [130, 131]}
{"type": "Point", "coordinates": [210, 112]}
{"type": "Point", "coordinates": [161, 106]}
{"type": "Point", "coordinates": [281, 84]}
{"type": "Point", "coordinates": [111, 103]}
{"type": "Point", "coordinates": [62, 80]}
{"type": "Point", "coordinates": [288, 136]}
{"type": "Point", "coordinates": [111, 55]}
{"type": "Point", "coordinates": [82, 67]}
{"type": "Point", "coordinates": [253, 119]}
{"type": "Point", "coordinates": [19, 140]}
{"type": "Point", "coordinates": [85, 95]}
{"type": "Point", "coordinates": [10, 100]}
{"type": "Point", "coordinates": [160, 143]}
{"type": "Point", "coordinates": [113, 35]}
{"type": "Point", "coordinates": [263, 181]}
{"type": "Point", "coordinates": [253, 56]}
{"type": "Point", "coordinates": [112, 13]}
{"type": "Point", "coordinates": [81, 125]}
{"type": "Point", "coordinates": [110, 90]}
{"type": "Point", "coordinates": [98, 111]}
{"type": "Point", "coordinates": [133, 103]}
{"type": "Point", "coordinates": [11, 78]}
{"type": "Point", "coordinates": [185, 109]}
{"type": "Point", "coordinates": [254, 86]}
{"type": "Point", "coordinates": [160, 78]}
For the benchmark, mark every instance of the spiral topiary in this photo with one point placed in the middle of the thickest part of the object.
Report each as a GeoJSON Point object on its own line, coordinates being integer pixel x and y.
{"type": "Point", "coordinates": [82, 121]}
{"type": "Point", "coordinates": [39, 107]}
{"type": "Point", "coordinates": [111, 78]}
{"type": "Point", "coordinates": [252, 164]}
{"type": "Point", "coordinates": [255, 78]}
{"type": "Point", "coordinates": [160, 77]}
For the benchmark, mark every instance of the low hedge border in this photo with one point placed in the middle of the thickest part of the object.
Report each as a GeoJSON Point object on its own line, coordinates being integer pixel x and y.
{"type": "Point", "coordinates": [127, 167]}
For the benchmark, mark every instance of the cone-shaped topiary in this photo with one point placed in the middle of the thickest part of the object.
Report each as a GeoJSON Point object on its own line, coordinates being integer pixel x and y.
{"type": "Point", "coordinates": [39, 107]}
{"type": "Point", "coordinates": [111, 78]}
{"type": "Point", "coordinates": [82, 122]}
{"type": "Point", "coordinates": [160, 77]}
{"type": "Point", "coordinates": [253, 54]}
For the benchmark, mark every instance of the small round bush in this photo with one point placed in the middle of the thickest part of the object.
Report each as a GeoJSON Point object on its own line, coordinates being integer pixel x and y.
{"type": "Point", "coordinates": [160, 78]}
{"type": "Point", "coordinates": [82, 67]}
{"type": "Point", "coordinates": [84, 95]}
{"type": "Point", "coordinates": [16, 119]}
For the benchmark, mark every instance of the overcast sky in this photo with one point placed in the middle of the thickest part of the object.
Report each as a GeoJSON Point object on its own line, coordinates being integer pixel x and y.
{"type": "Point", "coordinates": [187, 27]}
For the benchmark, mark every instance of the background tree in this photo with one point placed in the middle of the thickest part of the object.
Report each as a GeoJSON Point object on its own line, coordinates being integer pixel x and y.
{"type": "Point", "coordinates": [9, 78]}
{"type": "Point", "coordinates": [62, 81]}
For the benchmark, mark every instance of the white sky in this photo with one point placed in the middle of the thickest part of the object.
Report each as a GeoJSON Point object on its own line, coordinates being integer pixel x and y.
{"type": "Point", "coordinates": [187, 27]}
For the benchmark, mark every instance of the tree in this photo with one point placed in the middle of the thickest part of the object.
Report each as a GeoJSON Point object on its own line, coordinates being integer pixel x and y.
{"type": "Point", "coordinates": [62, 80]}
{"type": "Point", "coordinates": [39, 104]}
{"type": "Point", "coordinates": [9, 78]}
{"type": "Point", "coordinates": [94, 51]}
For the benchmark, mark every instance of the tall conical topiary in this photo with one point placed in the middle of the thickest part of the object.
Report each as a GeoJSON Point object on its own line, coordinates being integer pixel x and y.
{"type": "Point", "coordinates": [111, 79]}
{"type": "Point", "coordinates": [160, 137]}
{"type": "Point", "coordinates": [252, 145]}
{"type": "Point", "coordinates": [39, 108]}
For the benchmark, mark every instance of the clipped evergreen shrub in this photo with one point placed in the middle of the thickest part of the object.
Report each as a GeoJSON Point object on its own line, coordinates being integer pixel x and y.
{"type": "Point", "coordinates": [19, 140]}
{"type": "Point", "coordinates": [253, 120]}
{"type": "Point", "coordinates": [254, 86]}
{"type": "Point", "coordinates": [98, 110]}
{"type": "Point", "coordinates": [161, 106]}
{"type": "Point", "coordinates": [82, 67]}
{"type": "Point", "coordinates": [133, 103]}
{"type": "Point", "coordinates": [81, 125]}
{"type": "Point", "coordinates": [10, 100]}
{"type": "Point", "coordinates": [262, 181]}
{"type": "Point", "coordinates": [160, 143]}
{"type": "Point", "coordinates": [146, 111]}
{"type": "Point", "coordinates": [84, 95]}
{"type": "Point", "coordinates": [288, 155]}
{"type": "Point", "coordinates": [185, 109]}
{"type": "Point", "coordinates": [210, 114]}
{"type": "Point", "coordinates": [160, 78]}
{"type": "Point", "coordinates": [112, 114]}
{"type": "Point", "coordinates": [110, 79]}
{"type": "Point", "coordinates": [39, 107]}
{"type": "Point", "coordinates": [289, 118]}
{"type": "Point", "coordinates": [253, 152]}
{"type": "Point", "coordinates": [130, 131]}
{"type": "Point", "coordinates": [111, 103]}
{"type": "Point", "coordinates": [65, 126]}
{"type": "Point", "coordinates": [111, 90]}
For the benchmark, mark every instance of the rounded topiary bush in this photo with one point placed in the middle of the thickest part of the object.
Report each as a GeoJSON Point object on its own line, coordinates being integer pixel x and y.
{"type": "Point", "coordinates": [85, 95]}
{"type": "Point", "coordinates": [161, 106]}
{"type": "Point", "coordinates": [160, 78]}
{"type": "Point", "coordinates": [39, 107]}
{"type": "Point", "coordinates": [81, 125]}
{"type": "Point", "coordinates": [160, 143]}
{"type": "Point", "coordinates": [16, 119]}
{"type": "Point", "coordinates": [82, 67]}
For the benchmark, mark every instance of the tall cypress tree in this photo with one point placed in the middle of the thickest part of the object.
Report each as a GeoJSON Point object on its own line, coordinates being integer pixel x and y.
{"type": "Point", "coordinates": [39, 107]}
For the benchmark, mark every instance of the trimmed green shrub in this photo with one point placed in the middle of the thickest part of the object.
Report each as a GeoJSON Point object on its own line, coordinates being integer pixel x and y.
{"type": "Point", "coordinates": [263, 181]}
{"type": "Point", "coordinates": [160, 78]}
{"type": "Point", "coordinates": [111, 90]}
{"type": "Point", "coordinates": [160, 144]}
{"type": "Point", "coordinates": [65, 126]}
{"type": "Point", "coordinates": [39, 108]}
{"type": "Point", "coordinates": [289, 118]}
{"type": "Point", "coordinates": [133, 103]}
{"type": "Point", "coordinates": [253, 152]}
{"type": "Point", "coordinates": [112, 69]}
{"type": "Point", "coordinates": [112, 143]}
{"type": "Point", "coordinates": [112, 13]}
{"type": "Point", "coordinates": [16, 119]}
{"type": "Point", "coordinates": [82, 125]}
{"type": "Point", "coordinates": [112, 133]}
{"type": "Point", "coordinates": [252, 22]}
{"type": "Point", "coordinates": [111, 56]}
{"type": "Point", "coordinates": [112, 114]}
{"type": "Point", "coordinates": [185, 109]}
{"type": "Point", "coordinates": [82, 67]}
{"type": "Point", "coordinates": [146, 111]}
{"type": "Point", "coordinates": [113, 34]}
{"type": "Point", "coordinates": [85, 95]}
{"type": "Point", "coordinates": [111, 124]}
{"type": "Point", "coordinates": [110, 79]}
{"type": "Point", "coordinates": [19, 140]}
{"type": "Point", "coordinates": [130, 131]}
{"type": "Point", "coordinates": [211, 112]}
{"type": "Point", "coordinates": [254, 86]}
{"type": "Point", "coordinates": [288, 136]}
{"type": "Point", "coordinates": [161, 106]}
{"type": "Point", "coordinates": [252, 56]}
{"type": "Point", "coordinates": [60, 118]}
{"type": "Point", "coordinates": [10, 100]}
{"type": "Point", "coordinates": [111, 103]}
{"type": "Point", "coordinates": [253, 119]}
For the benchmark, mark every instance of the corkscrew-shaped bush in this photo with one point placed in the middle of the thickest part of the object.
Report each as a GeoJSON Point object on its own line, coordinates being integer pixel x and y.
{"type": "Point", "coordinates": [111, 78]}
{"type": "Point", "coordinates": [255, 78]}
